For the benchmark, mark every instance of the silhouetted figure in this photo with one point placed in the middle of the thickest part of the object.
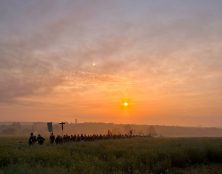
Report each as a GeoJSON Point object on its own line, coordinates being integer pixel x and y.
{"type": "Point", "coordinates": [32, 139]}
{"type": "Point", "coordinates": [82, 137]}
{"type": "Point", "coordinates": [52, 138]}
{"type": "Point", "coordinates": [59, 139]}
{"type": "Point", "coordinates": [40, 139]}
{"type": "Point", "coordinates": [131, 133]}
{"type": "Point", "coordinates": [109, 133]}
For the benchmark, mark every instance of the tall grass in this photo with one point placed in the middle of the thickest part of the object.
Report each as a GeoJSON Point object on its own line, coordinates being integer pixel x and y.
{"type": "Point", "coordinates": [137, 155]}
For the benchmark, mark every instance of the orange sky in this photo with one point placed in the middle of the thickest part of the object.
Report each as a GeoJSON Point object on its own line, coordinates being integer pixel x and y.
{"type": "Point", "coordinates": [74, 59]}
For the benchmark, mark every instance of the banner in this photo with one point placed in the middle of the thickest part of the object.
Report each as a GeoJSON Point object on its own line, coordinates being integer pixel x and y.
{"type": "Point", "coordinates": [50, 129]}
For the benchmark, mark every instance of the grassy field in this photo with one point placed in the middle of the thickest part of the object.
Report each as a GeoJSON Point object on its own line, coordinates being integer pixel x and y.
{"type": "Point", "coordinates": [136, 155]}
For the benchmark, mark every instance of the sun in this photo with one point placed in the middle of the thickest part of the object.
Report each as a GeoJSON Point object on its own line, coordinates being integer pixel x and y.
{"type": "Point", "coordinates": [125, 104]}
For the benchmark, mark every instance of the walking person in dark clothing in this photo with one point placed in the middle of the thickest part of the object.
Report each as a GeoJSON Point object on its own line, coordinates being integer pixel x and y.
{"type": "Point", "coordinates": [52, 138]}
{"type": "Point", "coordinates": [40, 140]}
{"type": "Point", "coordinates": [32, 139]}
{"type": "Point", "coordinates": [59, 139]}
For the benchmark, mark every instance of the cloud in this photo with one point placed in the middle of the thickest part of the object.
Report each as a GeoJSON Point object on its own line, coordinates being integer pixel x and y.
{"type": "Point", "coordinates": [36, 62]}
{"type": "Point", "coordinates": [173, 54]}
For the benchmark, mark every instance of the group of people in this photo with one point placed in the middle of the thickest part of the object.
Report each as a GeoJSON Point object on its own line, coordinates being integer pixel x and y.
{"type": "Point", "coordinates": [75, 138]}
{"type": "Point", "coordinates": [33, 139]}
{"type": "Point", "coordinates": [79, 138]}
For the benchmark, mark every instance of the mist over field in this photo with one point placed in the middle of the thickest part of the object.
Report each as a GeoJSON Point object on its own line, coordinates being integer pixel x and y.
{"type": "Point", "coordinates": [24, 129]}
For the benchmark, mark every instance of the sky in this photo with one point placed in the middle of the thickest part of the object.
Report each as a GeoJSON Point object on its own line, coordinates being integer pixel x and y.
{"type": "Point", "coordinates": [138, 62]}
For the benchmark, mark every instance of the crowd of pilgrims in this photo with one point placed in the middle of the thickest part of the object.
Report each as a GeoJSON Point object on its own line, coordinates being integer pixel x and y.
{"type": "Point", "coordinates": [75, 138]}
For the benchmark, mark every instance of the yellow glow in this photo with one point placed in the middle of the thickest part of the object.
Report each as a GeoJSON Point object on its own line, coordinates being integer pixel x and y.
{"type": "Point", "coordinates": [125, 104]}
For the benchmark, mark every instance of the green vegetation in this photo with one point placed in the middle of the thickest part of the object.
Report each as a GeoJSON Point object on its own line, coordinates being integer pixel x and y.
{"type": "Point", "coordinates": [136, 155]}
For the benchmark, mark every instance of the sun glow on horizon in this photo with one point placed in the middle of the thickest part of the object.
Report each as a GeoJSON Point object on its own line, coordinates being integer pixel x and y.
{"type": "Point", "coordinates": [125, 104]}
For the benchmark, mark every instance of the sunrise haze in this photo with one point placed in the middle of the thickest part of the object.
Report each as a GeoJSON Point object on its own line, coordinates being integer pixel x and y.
{"type": "Point", "coordinates": [140, 62]}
